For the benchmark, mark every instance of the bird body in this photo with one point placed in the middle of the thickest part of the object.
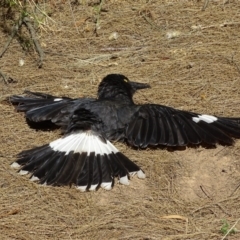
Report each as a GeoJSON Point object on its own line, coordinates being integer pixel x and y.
{"type": "Point", "coordinates": [85, 157]}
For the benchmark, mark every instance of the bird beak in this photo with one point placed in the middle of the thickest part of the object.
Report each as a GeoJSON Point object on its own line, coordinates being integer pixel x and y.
{"type": "Point", "coordinates": [137, 85]}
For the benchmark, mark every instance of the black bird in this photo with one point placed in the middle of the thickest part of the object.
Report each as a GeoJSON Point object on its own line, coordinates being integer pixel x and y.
{"type": "Point", "coordinates": [85, 157]}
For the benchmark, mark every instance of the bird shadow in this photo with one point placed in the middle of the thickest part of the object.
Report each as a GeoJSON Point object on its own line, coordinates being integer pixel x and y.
{"type": "Point", "coordinates": [44, 126]}
{"type": "Point", "coordinates": [182, 148]}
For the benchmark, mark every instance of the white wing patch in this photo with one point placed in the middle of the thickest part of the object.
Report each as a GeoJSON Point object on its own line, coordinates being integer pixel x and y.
{"type": "Point", "coordinates": [83, 142]}
{"type": "Point", "coordinates": [205, 118]}
{"type": "Point", "coordinates": [57, 99]}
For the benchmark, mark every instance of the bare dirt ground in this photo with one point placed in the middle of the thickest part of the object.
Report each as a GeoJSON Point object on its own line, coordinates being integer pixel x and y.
{"type": "Point", "coordinates": [191, 58]}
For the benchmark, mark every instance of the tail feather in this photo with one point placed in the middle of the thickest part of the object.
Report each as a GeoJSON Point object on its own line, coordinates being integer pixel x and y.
{"type": "Point", "coordinates": [40, 154]}
{"type": "Point", "coordinates": [129, 165]}
{"type": "Point", "coordinates": [78, 161]}
{"type": "Point", "coordinates": [106, 172]}
{"type": "Point", "coordinates": [84, 179]}
{"type": "Point", "coordinates": [49, 168]}
{"type": "Point", "coordinates": [64, 175]}
{"type": "Point", "coordinates": [80, 158]}
{"type": "Point", "coordinates": [119, 169]}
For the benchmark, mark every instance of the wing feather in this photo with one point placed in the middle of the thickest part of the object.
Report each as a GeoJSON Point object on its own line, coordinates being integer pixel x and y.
{"type": "Point", "coordinates": [172, 127]}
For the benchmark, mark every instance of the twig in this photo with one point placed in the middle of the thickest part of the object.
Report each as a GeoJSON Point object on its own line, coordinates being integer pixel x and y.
{"type": "Point", "coordinates": [225, 2]}
{"type": "Point", "coordinates": [12, 212]}
{"type": "Point", "coordinates": [13, 33]}
{"type": "Point", "coordinates": [223, 210]}
{"type": "Point", "coordinates": [108, 49]}
{"type": "Point", "coordinates": [153, 24]}
{"type": "Point", "coordinates": [235, 189]}
{"type": "Point", "coordinates": [225, 24]}
{"type": "Point", "coordinates": [27, 22]}
{"type": "Point", "coordinates": [201, 187]}
{"type": "Point", "coordinates": [211, 205]}
{"type": "Point", "coordinates": [205, 5]}
{"type": "Point", "coordinates": [42, 12]}
{"type": "Point", "coordinates": [73, 17]}
{"type": "Point", "coordinates": [98, 17]}
{"type": "Point", "coordinates": [229, 24]}
{"type": "Point", "coordinates": [4, 77]}
{"type": "Point", "coordinates": [234, 63]}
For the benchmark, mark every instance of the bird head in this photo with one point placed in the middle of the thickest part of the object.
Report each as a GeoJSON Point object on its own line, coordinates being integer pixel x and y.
{"type": "Point", "coordinates": [117, 86]}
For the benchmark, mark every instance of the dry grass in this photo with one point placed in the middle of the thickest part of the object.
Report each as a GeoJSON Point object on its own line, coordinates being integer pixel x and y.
{"type": "Point", "coordinates": [188, 192]}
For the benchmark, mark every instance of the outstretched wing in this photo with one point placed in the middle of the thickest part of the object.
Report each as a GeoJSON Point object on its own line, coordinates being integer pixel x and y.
{"type": "Point", "coordinates": [83, 157]}
{"type": "Point", "coordinates": [40, 107]}
{"type": "Point", "coordinates": [155, 125]}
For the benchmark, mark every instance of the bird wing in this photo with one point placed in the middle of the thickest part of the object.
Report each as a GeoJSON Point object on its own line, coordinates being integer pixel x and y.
{"type": "Point", "coordinates": [40, 107]}
{"type": "Point", "coordinates": [83, 157]}
{"type": "Point", "coordinates": [155, 125]}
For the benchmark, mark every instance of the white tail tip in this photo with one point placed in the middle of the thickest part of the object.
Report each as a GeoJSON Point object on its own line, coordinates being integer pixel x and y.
{"type": "Point", "coordinates": [34, 179]}
{"type": "Point", "coordinates": [93, 187]}
{"type": "Point", "coordinates": [106, 185]}
{"type": "Point", "coordinates": [15, 165]}
{"type": "Point", "coordinates": [81, 188]}
{"type": "Point", "coordinates": [141, 174]}
{"type": "Point", "coordinates": [124, 180]}
{"type": "Point", "coordinates": [23, 172]}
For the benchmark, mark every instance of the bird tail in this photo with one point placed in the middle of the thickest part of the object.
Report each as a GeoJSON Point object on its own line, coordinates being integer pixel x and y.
{"type": "Point", "coordinates": [82, 158]}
